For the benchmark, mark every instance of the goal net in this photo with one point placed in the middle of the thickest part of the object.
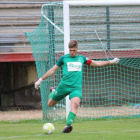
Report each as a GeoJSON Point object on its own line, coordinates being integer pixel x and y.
{"type": "Point", "coordinates": [104, 31]}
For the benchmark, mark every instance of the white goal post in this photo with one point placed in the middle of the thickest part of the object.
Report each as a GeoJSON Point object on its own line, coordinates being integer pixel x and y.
{"type": "Point", "coordinates": [66, 21]}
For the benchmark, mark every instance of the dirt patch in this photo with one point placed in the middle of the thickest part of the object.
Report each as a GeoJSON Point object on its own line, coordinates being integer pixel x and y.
{"type": "Point", "coordinates": [60, 113]}
{"type": "Point", "coordinates": [20, 115]}
{"type": "Point", "coordinates": [115, 111]}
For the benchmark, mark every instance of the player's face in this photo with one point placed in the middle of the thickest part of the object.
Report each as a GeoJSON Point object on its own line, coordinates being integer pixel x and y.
{"type": "Point", "coordinates": [73, 51]}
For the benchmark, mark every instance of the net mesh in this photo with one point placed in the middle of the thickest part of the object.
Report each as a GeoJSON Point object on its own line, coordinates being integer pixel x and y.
{"type": "Point", "coordinates": [103, 32]}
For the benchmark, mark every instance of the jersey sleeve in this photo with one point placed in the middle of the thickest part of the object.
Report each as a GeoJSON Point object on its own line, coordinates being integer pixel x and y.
{"type": "Point", "coordinates": [60, 61]}
{"type": "Point", "coordinates": [87, 60]}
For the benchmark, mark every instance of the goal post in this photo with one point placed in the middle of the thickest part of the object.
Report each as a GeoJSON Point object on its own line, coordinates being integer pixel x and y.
{"type": "Point", "coordinates": [104, 29]}
{"type": "Point", "coordinates": [66, 42]}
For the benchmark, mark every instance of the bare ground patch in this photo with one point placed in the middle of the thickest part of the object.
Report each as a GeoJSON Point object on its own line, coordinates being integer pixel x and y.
{"type": "Point", "coordinates": [83, 112]}
{"type": "Point", "coordinates": [20, 115]}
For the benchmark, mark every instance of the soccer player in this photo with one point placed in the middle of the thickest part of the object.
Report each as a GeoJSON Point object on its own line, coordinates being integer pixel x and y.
{"type": "Point", "coordinates": [71, 83]}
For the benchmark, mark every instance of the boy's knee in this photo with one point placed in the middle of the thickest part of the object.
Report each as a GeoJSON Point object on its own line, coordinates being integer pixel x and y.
{"type": "Point", "coordinates": [75, 105]}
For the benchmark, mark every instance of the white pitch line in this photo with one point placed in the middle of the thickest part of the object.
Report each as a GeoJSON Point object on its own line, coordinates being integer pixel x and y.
{"type": "Point", "coordinates": [106, 131]}
{"type": "Point", "coordinates": [13, 137]}
{"type": "Point", "coordinates": [93, 132]}
{"type": "Point", "coordinates": [130, 130]}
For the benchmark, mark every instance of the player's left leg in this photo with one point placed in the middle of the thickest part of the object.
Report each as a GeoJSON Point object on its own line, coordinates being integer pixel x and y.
{"type": "Point", "coordinates": [75, 104]}
{"type": "Point", "coordinates": [72, 114]}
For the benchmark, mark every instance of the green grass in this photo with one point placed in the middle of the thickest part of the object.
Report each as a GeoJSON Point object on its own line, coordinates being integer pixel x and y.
{"type": "Point", "coordinates": [105, 129]}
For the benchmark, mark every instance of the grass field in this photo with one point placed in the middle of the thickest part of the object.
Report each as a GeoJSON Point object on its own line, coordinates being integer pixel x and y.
{"type": "Point", "coordinates": [105, 129]}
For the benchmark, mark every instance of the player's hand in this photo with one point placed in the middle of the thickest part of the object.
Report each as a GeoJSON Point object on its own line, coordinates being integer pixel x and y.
{"type": "Point", "coordinates": [38, 83]}
{"type": "Point", "coordinates": [115, 61]}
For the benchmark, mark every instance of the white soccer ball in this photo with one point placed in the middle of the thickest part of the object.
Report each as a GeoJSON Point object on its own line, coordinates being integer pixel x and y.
{"type": "Point", "coordinates": [48, 128]}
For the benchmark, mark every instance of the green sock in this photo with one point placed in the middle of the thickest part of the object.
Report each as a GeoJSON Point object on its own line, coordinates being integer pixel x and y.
{"type": "Point", "coordinates": [51, 94]}
{"type": "Point", "coordinates": [70, 118]}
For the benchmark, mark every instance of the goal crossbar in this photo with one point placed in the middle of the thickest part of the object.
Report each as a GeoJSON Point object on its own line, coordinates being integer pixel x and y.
{"type": "Point", "coordinates": [104, 2]}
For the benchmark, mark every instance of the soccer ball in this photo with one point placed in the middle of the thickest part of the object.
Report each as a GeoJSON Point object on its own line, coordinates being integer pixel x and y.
{"type": "Point", "coordinates": [48, 128]}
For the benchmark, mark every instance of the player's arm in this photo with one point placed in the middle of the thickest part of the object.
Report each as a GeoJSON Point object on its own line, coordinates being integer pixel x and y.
{"type": "Point", "coordinates": [102, 63]}
{"type": "Point", "coordinates": [46, 75]}
{"type": "Point", "coordinates": [50, 72]}
{"type": "Point", "coordinates": [99, 63]}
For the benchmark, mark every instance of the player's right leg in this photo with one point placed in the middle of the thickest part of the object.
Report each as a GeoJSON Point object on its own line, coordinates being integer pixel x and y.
{"type": "Point", "coordinates": [51, 102]}
{"type": "Point", "coordinates": [56, 96]}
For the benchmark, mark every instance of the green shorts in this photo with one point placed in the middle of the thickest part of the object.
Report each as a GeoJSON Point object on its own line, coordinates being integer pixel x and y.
{"type": "Point", "coordinates": [62, 92]}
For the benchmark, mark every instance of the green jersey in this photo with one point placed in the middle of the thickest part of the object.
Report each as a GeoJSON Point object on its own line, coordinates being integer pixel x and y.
{"type": "Point", "coordinates": [72, 70]}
